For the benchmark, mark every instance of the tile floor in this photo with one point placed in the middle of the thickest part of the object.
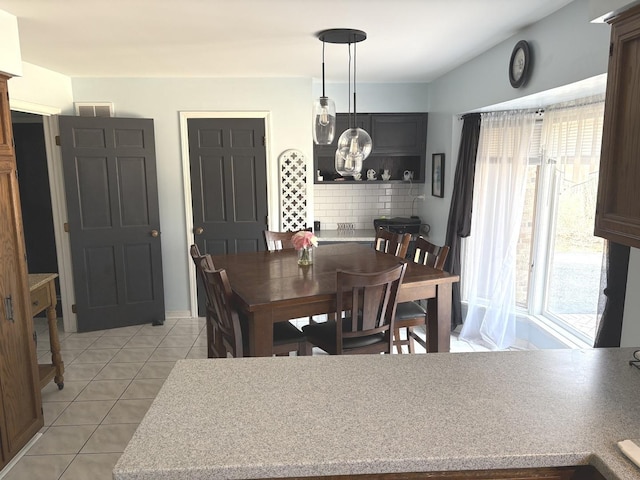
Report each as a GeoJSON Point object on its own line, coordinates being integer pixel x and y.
{"type": "Point", "coordinates": [111, 377]}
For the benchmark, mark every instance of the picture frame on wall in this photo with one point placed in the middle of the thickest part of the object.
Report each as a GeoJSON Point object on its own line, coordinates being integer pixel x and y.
{"type": "Point", "coordinates": [437, 175]}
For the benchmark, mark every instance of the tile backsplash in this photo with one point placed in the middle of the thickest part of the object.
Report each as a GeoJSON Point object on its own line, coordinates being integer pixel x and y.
{"type": "Point", "coordinates": [361, 203]}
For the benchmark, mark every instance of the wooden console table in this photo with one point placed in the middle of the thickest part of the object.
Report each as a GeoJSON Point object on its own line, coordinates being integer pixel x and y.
{"type": "Point", "coordinates": [43, 297]}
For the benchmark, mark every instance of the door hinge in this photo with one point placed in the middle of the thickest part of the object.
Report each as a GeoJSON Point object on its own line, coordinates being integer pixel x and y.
{"type": "Point", "coordinates": [66, 227]}
{"type": "Point", "coordinates": [58, 140]}
{"type": "Point", "coordinates": [74, 309]}
{"type": "Point", "coordinates": [611, 49]}
{"type": "Point", "coordinates": [264, 141]}
{"type": "Point", "coordinates": [35, 337]}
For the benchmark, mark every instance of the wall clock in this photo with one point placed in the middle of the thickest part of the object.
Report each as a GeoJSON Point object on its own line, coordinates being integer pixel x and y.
{"type": "Point", "coordinates": [520, 64]}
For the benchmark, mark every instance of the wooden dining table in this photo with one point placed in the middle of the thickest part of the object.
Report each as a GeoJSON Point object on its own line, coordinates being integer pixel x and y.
{"type": "Point", "coordinates": [271, 287]}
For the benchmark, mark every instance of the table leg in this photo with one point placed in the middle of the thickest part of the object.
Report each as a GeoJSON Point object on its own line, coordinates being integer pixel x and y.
{"type": "Point", "coordinates": [54, 343]}
{"type": "Point", "coordinates": [260, 334]}
{"type": "Point", "coordinates": [439, 320]}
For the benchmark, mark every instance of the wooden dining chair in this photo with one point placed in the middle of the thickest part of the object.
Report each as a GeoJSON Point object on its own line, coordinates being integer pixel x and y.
{"type": "Point", "coordinates": [394, 243]}
{"type": "Point", "coordinates": [366, 304]}
{"type": "Point", "coordinates": [199, 259]}
{"type": "Point", "coordinates": [412, 314]}
{"type": "Point", "coordinates": [276, 241]}
{"type": "Point", "coordinates": [286, 337]}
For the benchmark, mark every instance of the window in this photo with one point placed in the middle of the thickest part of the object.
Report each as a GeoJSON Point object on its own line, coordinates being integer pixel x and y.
{"type": "Point", "coordinates": [558, 260]}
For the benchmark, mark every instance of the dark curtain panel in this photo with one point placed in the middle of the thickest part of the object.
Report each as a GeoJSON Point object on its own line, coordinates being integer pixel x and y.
{"type": "Point", "coordinates": [459, 223]}
{"type": "Point", "coordinates": [610, 326]}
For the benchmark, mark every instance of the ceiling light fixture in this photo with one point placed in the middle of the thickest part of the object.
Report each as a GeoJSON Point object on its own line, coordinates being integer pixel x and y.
{"type": "Point", "coordinates": [324, 115]}
{"type": "Point", "coordinates": [354, 145]}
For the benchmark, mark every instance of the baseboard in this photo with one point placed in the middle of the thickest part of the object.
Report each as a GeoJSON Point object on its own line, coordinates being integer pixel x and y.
{"type": "Point", "coordinates": [178, 314]}
{"type": "Point", "coordinates": [20, 454]}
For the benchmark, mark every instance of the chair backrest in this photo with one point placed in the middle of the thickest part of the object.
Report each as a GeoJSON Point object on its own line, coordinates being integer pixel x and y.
{"type": "Point", "coordinates": [198, 257]}
{"type": "Point", "coordinates": [279, 240]}
{"type": "Point", "coordinates": [369, 300]}
{"type": "Point", "coordinates": [220, 296]}
{"type": "Point", "coordinates": [394, 243]}
{"type": "Point", "coordinates": [429, 254]}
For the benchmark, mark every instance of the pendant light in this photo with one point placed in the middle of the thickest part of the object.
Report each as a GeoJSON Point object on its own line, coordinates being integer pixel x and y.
{"type": "Point", "coordinates": [324, 115]}
{"type": "Point", "coordinates": [354, 145]}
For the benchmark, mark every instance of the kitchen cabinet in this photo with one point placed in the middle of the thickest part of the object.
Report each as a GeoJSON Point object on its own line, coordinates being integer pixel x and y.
{"type": "Point", "coordinates": [399, 144]}
{"type": "Point", "coordinates": [617, 208]}
{"type": "Point", "coordinates": [20, 402]}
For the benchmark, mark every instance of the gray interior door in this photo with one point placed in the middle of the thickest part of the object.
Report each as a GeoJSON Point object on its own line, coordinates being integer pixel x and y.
{"type": "Point", "coordinates": [114, 224]}
{"type": "Point", "coordinates": [228, 185]}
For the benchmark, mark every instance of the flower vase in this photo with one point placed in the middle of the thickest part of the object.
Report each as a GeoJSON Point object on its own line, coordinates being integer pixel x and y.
{"type": "Point", "coordinates": [305, 256]}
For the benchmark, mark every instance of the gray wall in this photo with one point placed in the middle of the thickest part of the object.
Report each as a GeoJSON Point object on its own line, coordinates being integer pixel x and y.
{"type": "Point", "coordinates": [566, 48]}
{"type": "Point", "coordinates": [569, 50]}
{"type": "Point", "coordinates": [289, 103]}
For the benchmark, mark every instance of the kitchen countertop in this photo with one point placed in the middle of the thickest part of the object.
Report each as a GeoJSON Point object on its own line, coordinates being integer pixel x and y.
{"type": "Point", "coordinates": [332, 415]}
{"type": "Point", "coordinates": [363, 235]}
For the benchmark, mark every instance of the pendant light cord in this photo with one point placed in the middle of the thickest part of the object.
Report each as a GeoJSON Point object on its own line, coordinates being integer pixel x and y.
{"type": "Point", "coordinates": [323, 94]}
{"type": "Point", "coordinates": [355, 114]}
{"type": "Point", "coordinates": [349, 88]}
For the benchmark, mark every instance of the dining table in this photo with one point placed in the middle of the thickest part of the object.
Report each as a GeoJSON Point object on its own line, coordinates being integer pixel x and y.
{"type": "Point", "coordinates": [270, 287]}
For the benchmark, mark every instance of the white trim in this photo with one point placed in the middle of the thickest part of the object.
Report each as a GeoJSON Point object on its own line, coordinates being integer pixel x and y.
{"type": "Point", "coordinates": [29, 107]}
{"type": "Point", "coordinates": [58, 204]}
{"type": "Point", "coordinates": [12, 463]}
{"type": "Point", "coordinates": [179, 313]}
{"type": "Point", "coordinates": [272, 182]}
{"type": "Point", "coordinates": [60, 216]}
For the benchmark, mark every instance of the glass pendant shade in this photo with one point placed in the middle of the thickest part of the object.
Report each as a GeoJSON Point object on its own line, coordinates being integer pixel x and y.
{"type": "Point", "coordinates": [347, 166]}
{"type": "Point", "coordinates": [324, 121]}
{"type": "Point", "coordinates": [354, 146]}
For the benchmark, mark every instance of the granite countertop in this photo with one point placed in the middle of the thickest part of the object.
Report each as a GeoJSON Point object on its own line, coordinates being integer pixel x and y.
{"type": "Point", "coordinates": [364, 235]}
{"type": "Point", "coordinates": [333, 415]}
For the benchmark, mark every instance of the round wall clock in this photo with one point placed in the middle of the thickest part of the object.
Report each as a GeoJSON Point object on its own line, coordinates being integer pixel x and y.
{"type": "Point", "coordinates": [520, 64]}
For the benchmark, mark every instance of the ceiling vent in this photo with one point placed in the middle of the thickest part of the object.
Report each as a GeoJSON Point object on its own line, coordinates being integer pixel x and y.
{"type": "Point", "coordinates": [94, 109]}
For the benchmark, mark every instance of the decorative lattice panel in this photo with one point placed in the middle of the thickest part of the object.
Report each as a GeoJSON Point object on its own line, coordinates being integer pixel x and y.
{"type": "Point", "coordinates": [293, 190]}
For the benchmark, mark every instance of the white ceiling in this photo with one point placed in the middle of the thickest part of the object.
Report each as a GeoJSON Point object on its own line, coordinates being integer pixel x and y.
{"type": "Point", "coordinates": [408, 40]}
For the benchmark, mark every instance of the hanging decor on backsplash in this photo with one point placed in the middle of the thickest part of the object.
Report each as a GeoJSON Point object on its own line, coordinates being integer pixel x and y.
{"type": "Point", "coordinates": [293, 190]}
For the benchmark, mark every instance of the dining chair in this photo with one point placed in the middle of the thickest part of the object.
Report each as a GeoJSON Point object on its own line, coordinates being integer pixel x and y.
{"type": "Point", "coordinates": [394, 243]}
{"type": "Point", "coordinates": [286, 337]}
{"type": "Point", "coordinates": [412, 314]}
{"type": "Point", "coordinates": [365, 309]}
{"type": "Point", "coordinates": [277, 241]}
{"type": "Point", "coordinates": [280, 240]}
{"type": "Point", "coordinates": [199, 259]}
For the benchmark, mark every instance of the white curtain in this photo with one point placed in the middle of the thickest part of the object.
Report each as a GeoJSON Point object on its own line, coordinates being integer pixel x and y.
{"type": "Point", "coordinates": [490, 250]}
{"type": "Point", "coordinates": [571, 139]}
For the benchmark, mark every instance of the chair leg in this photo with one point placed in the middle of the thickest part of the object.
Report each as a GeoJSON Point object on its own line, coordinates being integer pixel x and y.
{"type": "Point", "coordinates": [412, 345]}
{"type": "Point", "coordinates": [397, 340]}
{"type": "Point", "coordinates": [305, 349]}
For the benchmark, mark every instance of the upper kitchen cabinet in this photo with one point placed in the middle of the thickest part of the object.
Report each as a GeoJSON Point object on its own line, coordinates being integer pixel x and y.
{"type": "Point", "coordinates": [618, 210]}
{"type": "Point", "coordinates": [399, 144]}
{"type": "Point", "coordinates": [402, 134]}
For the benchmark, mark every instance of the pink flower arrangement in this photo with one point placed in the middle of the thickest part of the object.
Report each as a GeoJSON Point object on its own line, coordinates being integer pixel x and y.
{"type": "Point", "coordinates": [304, 239]}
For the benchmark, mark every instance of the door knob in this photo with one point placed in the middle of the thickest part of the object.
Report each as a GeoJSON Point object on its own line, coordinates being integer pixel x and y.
{"type": "Point", "coordinates": [155, 233]}
{"type": "Point", "coordinates": [199, 231]}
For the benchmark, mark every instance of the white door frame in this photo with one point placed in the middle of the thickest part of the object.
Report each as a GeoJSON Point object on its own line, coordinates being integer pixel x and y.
{"type": "Point", "coordinates": [58, 205]}
{"type": "Point", "coordinates": [272, 180]}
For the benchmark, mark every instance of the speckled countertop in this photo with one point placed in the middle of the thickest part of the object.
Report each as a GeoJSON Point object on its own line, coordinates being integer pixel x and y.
{"type": "Point", "coordinates": [322, 415]}
{"type": "Point", "coordinates": [363, 235]}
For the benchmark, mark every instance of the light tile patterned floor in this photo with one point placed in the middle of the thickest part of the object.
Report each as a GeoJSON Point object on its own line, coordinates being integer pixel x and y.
{"type": "Point", "coordinates": [111, 378]}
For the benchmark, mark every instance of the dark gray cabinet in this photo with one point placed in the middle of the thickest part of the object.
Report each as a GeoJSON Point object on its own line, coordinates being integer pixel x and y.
{"type": "Point", "coordinates": [399, 144]}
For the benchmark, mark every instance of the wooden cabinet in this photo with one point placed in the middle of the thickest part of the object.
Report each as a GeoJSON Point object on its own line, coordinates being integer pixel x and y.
{"type": "Point", "coordinates": [20, 402]}
{"type": "Point", "coordinates": [399, 134]}
{"type": "Point", "coordinates": [399, 144]}
{"type": "Point", "coordinates": [618, 208]}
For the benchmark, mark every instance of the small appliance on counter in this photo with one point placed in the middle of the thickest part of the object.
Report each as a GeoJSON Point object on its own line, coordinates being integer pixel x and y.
{"type": "Point", "coordinates": [411, 225]}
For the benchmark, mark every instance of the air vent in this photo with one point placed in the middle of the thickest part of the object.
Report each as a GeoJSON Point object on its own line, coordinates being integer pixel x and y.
{"type": "Point", "coordinates": [94, 109]}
